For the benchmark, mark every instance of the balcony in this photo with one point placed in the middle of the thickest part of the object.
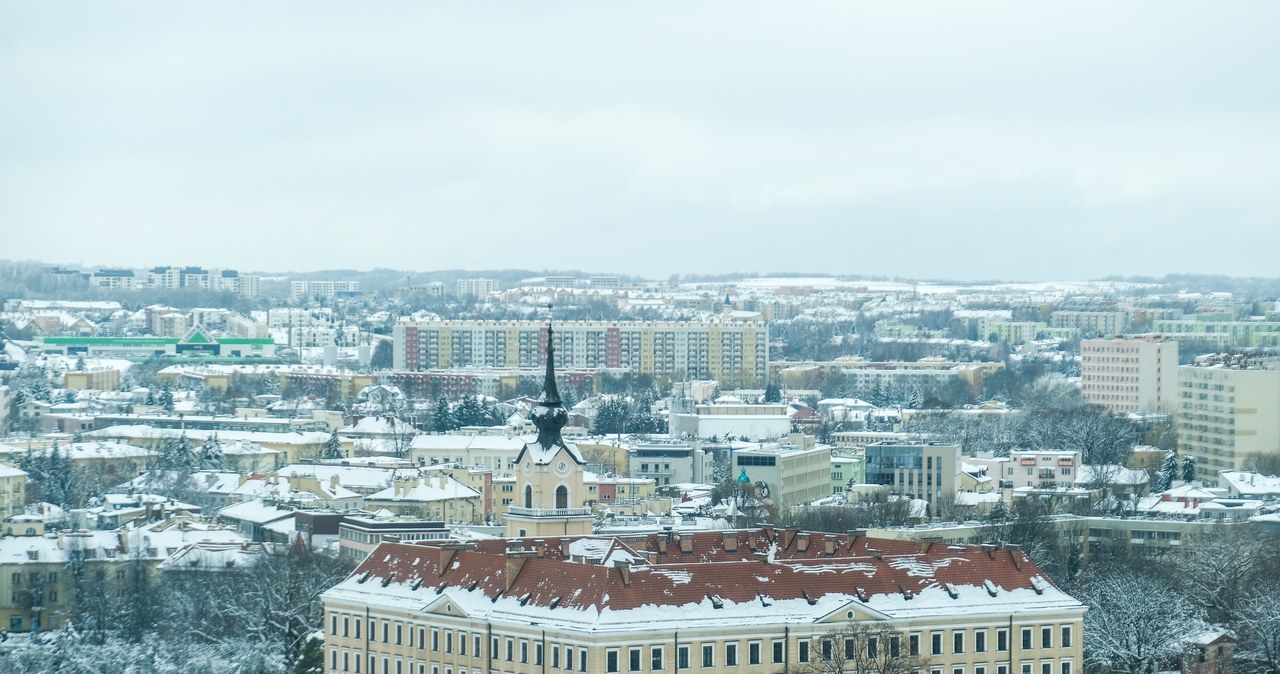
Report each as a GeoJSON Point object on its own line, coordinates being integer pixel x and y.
{"type": "Point", "coordinates": [548, 512]}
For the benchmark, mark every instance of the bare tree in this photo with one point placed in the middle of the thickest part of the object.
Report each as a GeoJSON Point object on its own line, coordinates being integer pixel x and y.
{"type": "Point", "coordinates": [863, 647]}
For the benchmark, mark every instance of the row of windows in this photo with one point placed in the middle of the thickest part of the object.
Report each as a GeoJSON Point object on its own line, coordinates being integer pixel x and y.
{"type": "Point", "coordinates": [636, 660]}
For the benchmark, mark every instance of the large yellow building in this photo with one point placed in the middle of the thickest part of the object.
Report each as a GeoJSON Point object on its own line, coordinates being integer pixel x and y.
{"type": "Point", "coordinates": [727, 601]}
{"type": "Point", "coordinates": [1228, 411]}
{"type": "Point", "coordinates": [733, 348]}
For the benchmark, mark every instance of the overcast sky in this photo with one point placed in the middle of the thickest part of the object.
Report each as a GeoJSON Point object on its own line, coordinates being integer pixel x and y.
{"type": "Point", "coordinates": [1022, 140]}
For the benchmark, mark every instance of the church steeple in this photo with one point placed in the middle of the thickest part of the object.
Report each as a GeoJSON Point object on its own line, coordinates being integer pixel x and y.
{"type": "Point", "coordinates": [550, 415]}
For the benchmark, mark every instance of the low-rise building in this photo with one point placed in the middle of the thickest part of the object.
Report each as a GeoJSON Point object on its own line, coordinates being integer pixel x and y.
{"type": "Point", "coordinates": [793, 472]}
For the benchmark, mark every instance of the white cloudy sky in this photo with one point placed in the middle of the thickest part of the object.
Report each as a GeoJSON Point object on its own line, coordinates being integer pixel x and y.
{"type": "Point", "coordinates": [963, 140]}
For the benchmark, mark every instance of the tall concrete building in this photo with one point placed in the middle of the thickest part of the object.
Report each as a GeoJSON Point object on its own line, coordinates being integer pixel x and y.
{"type": "Point", "coordinates": [924, 471]}
{"type": "Point", "coordinates": [732, 348]}
{"type": "Point", "coordinates": [476, 287]}
{"type": "Point", "coordinates": [1228, 411]}
{"type": "Point", "coordinates": [1134, 374]}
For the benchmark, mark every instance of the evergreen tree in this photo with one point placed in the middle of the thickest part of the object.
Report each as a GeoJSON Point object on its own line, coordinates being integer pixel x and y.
{"type": "Point", "coordinates": [470, 412]}
{"type": "Point", "coordinates": [1168, 472]}
{"type": "Point", "coordinates": [1188, 469]}
{"type": "Point", "coordinates": [166, 399]}
{"type": "Point", "coordinates": [151, 397]}
{"type": "Point", "coordinates": [442, 419]}
{"type": "Point", "coordinates": [211, 454]}
{"type": "Point", "coordinates": [333, 448]}
{"type": "Point", "coordinates": [772, 393]}
{"type": "Point", "coordinates": [611, 417]}
{"type": "Point", "coordinates": [999, 511]}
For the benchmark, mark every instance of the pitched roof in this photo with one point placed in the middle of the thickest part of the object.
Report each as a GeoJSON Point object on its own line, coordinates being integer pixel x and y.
{"type": "Point", "coordinates": [767, 577]}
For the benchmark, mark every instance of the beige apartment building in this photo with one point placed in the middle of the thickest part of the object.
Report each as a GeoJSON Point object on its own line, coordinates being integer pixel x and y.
{"type": "Point", "coordinates": [1228, 411]}
{"type": "Point", "coordinates": [726, 601]}
{"type": "Point", "coordinates": [732, 348]}
{"type": "Point", "coordinates": [793, 472]}
{"type": "Point", "coordinates": [1134, 374]}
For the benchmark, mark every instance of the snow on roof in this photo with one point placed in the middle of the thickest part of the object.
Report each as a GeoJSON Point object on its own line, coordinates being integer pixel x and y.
{"type": "Point", "coordinates": [708, 584]}
{"type": "Point", "coordinates": [427, 489]}
{"type": "Point", "coordinates": [1249, 483]}
{"type": "Point", "coordinates": [258, 512]}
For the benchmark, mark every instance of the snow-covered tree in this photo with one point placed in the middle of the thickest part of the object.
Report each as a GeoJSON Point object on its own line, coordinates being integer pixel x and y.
{"type": "Point", "coordinates": [333, 448]}
{"type": "Point", "coordinates": [1168, 472]}
{"type": "Point", "coordinates": [210, 457]}
{"type": "Point", "coordinates": [1188, 469]}
{"type": "Point", "coordinates": [442, 418]}
{"type": "Point", "coordinates": [1137, 623]}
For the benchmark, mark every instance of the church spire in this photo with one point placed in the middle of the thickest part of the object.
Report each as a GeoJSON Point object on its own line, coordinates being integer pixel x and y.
{"type": "Point", "coordinates": [550, 415]}
{"type": "Point", "coordinates": [550, 393]}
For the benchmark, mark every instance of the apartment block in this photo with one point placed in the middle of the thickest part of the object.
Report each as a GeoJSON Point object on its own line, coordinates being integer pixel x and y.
{"type": "Point", "coordinates": [1134, 374]}
{"type": "Point", "coordinates": [476, 287]}
{"type": "Point", "coordinates": [1090, 323]}
{"type": "Point", "coordinates": [1228, 411]}
{"type": "Point", "coordinates": [731, 349]}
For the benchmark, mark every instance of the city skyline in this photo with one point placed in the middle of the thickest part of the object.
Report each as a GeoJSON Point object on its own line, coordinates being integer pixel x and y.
{"type": "Point", "coordinates": [993, 141]}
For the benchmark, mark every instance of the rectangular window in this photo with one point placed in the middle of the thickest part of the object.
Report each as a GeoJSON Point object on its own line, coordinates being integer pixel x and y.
{"type": "Point", "coordinates": [1002, 639]}
{"type": "Point", "coordinates": [386, 632]}
{"type": "Point", "coordinates": [655, 658]}
{"type": "Point", "coordinates": [1046, 637]}
{"type": "Point", "coordinates": [708, 655]}
{"type": "Point", "coordinates": [957, 641]}
{"type": "Point", "coordinates": [1026, 668]}
{"type": "Point", "coordinates": [1002, 669]}
{"type": "Point", "coordinates": [475, 643]}
{"type": "Point", "coordinates": [568, 658]}
{"type": "Point", "coordinates": [1026, 639]}
{"type": "Point", "coordinates": [582, 659]}
{"type": "Point", "coordinates": [1066, 637]}
{"type": "Point", "coordinates": [634, 657]}
{"type": "Point", "coordinates": [333, 628]}
{"type": "Point", "coordinates": [1066, 667]}
{"type": "Point", "coordinates": [435, 639]}
{"type": "Point", "coordinates": [913, 644]}
{"type": "Point", "coordinates": [936, 637]}
{"type": "Point", "coordinates": [555, 657]}
{"type": "Point", "coordinates": [980, 669]}
{"type": "Point", "coordinates": [753, 653]}
{"type": "Point", "coordinates": [511, 650]}
{"type": "Point", "coordinates": [682, 657]}
{"type": "Point", "coordinates": [980, 641]}
{"type": "Point", "coordinates": [957, 670]}
{"type": "Point", "coordinates": [731, 655]}
{"type": "Point", "coordinates": [777, 651]}
{"type": "Point", "coordinates": [399, 634]}
{"type": "Point", "coordinates": [1046, 668]}
{"type": "Point", "coordinates": [537, 654]}
{"type": "Point", "coordinates": [357, 630]}
{"type": "Point", "coordinates": [610, 659]}
{"type": "Point", "coordinates": [462, 643]}
{"type": "Point", "coordinates": [873, 646]}
{"type": "Point", "coordinates": [524, 651]}
{"type": "Point", "coordinates": [804, 650]}
{"type": "Point", "coordinates": [448, 641]}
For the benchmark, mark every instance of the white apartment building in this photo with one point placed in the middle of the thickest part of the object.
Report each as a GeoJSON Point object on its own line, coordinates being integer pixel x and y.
{"type": "Point", "coordinates": [1134, 374]}
{"type": "Point", "coordinates": [300, 291]}
{"type": "Point", "coordinates": [476, 287]}
{"type": "Point", "coordinates": [1045, 469]}
{"type": "Point", "coordinates": [1228, 411]}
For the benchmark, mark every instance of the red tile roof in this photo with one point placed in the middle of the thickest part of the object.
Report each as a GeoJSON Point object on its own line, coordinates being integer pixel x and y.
{"type": "Point", "coordinates": [767, 563]}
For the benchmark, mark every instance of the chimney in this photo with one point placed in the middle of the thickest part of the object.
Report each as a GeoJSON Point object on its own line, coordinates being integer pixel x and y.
{"type": "Point", "coordinates": [540, 547]}
{"type": "Point", "coordinates": [1015, 552]}
{"type": "Point", "coordinates": [686, 544]}
{"type": "Point", "coordinates": [761, 556]}
{"type": "Point", "coordinates": [662, 544]}
{"type": "Point", "coordinates": [564, 548]}
{"type": "Point", "coordinates": [333, 482]}
{"type": "Point", "coordinates": [730, 541]}
{"type": "Point", "coordinates": [875, 553]}
{"type": "Point", "coordinates": [624, 570]}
